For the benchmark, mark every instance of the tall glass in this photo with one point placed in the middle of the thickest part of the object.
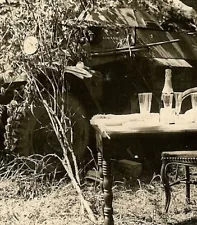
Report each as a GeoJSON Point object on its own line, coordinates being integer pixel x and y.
{"type": "Point", "coordinates": [166, 113]}
{"type": "Point", "coordinates": [194, 105]}
{"type": "Point", "coordinates": [178, 102]}
{"type": "Point", "coordinates": [145, 100]}
{"type": "Point", "coordinates": [194, 100]}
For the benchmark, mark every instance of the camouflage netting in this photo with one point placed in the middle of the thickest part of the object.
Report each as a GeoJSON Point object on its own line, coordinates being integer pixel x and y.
{"type": "Point", "coordinates": [58, 44]}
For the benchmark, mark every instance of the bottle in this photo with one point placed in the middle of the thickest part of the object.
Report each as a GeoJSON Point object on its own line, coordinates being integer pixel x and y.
{"type": "Point", "coordinates": [166, 113]}
{"type": "Point", "coordinates": [167, 89]}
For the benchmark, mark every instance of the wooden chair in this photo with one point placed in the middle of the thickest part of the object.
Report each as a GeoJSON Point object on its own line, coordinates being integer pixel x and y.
{"type": "Point", "coordinates": [185, 158]}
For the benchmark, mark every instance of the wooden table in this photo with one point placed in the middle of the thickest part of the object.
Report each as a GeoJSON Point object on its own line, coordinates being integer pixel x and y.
{"type": "Point", "coordinates": [109, 126]}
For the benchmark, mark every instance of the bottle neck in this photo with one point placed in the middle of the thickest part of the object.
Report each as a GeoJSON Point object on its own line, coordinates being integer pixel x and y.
{"type": "Point", "coordinates": [167, 89]}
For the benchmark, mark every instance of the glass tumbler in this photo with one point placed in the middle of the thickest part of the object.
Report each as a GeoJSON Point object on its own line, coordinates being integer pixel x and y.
{"type": "Point", "coordinates": [194, 100]}
{"type": "Point", "coordinates": [145, 100]}
{"type": "Point", "coordinates": [178, 102]}
{"type": "Point", "coordinates": [194, 105]}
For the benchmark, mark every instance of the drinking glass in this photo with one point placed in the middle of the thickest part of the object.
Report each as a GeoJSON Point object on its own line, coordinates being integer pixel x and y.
{"type": "Point", "coordinates": [194, 100]}
{"type": "Point", "coordinates": [194, 106]}
{"type": "Point", "coordinates": [178, 102]}
{"type": "Point", "coordinates": [167, 100]}
{"type": "Point", "coordinates": [145, 102]}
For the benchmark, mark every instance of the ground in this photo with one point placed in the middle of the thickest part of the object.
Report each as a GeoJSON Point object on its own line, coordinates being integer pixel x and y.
{"type": "Point", "coordinates": [140, 202]}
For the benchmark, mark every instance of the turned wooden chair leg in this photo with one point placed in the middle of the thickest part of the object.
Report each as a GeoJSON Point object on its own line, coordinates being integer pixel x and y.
{"type": "Point", "coordinates": [100, 169]}
{"type": "Point", "coordinates": [108, 195]}
{"type": "Point", "coordinates": [187, 173]}
{"type": "Point", "coordinates": [166, 184]}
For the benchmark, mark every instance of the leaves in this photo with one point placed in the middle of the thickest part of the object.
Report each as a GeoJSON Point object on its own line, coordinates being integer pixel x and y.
{"type": "Point", "coordinates": [40, 19]}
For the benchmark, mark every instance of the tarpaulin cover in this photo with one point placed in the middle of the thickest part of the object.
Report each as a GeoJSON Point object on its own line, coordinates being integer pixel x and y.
{"type": "Point", "coordinates": [185, 48]}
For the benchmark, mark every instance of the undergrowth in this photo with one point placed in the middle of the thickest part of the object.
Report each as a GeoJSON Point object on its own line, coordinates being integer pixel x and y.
{"type": "Point", "coordinates": [34, 176]}
{"type": "Point", "coordinates": [30, 196]}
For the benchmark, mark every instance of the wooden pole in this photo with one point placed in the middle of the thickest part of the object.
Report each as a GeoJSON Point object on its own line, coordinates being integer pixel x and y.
{"type": "Point", "coordinates": [131, 48]}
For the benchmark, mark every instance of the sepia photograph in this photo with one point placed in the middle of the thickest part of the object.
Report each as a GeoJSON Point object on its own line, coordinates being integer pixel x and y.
{"type": "Point", "coordinates": [98, 112]}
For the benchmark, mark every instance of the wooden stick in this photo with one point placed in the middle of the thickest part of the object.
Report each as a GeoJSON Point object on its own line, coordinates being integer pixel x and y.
{"type": "Point", "coordinates": [61, 136]}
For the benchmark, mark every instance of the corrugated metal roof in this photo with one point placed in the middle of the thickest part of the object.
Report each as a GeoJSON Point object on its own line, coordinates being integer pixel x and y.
{"type": "Point", "coordinates": [126, 17]}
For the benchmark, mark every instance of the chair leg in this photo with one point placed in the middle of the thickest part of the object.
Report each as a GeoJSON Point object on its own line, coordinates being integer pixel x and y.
{"type": "Point", "coordinates": [187, 173]}
{"type": "Point", "coordinates": [166, 184]}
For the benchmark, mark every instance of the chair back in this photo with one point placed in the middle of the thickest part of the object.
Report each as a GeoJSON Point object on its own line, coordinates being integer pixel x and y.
{"type": "Point", "coordinates": [187, 93]}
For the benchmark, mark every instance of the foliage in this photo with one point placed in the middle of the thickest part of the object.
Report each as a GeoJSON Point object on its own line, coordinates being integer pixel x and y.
{"type": "Point", "coordinates": [44, 20]}
{"type": "Point", "coordinates": [58, 43]}
{"type": "Point", "coordinates": [58, 46]}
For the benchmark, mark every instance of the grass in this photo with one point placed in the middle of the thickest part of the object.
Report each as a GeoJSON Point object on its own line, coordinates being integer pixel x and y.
{"type": "Point", "coordinates": [138, 202]}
